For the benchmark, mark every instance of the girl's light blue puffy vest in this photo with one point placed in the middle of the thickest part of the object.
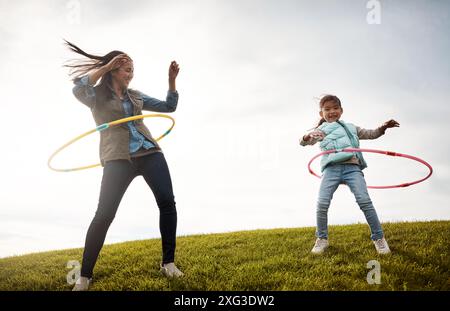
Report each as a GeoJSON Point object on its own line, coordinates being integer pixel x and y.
{"type": "Point", "coordinates": [336, 138]}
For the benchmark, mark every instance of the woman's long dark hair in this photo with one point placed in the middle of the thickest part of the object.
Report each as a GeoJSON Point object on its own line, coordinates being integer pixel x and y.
{"type": "Point", "coordinates": [80, 67]}
{"type": "Point", "coordinates": [328, 98]}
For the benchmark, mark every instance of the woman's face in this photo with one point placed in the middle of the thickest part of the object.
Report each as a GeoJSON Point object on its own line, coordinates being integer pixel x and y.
{"type": "Point", "coordinates": [123, 74]}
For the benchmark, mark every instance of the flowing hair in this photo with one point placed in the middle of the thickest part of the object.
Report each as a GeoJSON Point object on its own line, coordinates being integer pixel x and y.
{"type": "Point", "coordinates": [80, 67]}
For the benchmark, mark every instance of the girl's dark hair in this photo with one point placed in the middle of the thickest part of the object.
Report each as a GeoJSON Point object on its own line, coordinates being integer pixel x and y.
{"type": "Point", "coordinates": [80, 67]}
{"type": "Point", "coordinates": [323, 100]}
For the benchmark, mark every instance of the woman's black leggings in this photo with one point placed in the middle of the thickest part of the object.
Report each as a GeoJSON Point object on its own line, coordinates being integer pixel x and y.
{"type": "Point", "coordinates": [117, 175]}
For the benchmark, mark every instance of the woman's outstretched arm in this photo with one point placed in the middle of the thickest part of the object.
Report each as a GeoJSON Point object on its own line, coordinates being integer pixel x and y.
{"type": "Point", "coordinates": [170, 104]}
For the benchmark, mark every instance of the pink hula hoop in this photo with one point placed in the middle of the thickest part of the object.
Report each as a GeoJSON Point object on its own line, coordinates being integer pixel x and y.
{"type": "Point", "coordinates": [389, 153]}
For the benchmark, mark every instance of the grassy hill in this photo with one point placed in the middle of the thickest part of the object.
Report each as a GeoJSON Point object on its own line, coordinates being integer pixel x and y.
{"type": "Point", "coordinates": [277, 259]}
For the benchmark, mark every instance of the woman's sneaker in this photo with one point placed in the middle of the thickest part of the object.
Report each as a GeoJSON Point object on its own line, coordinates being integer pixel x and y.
{"type": "Point", "coordinates": [320, 246]}
{"type": "Point", "coordinates": [382, 246]}
{"type": "Point", "coordinates": [82, 284]}
{"type": "Point", "coordinates": [171, 271]}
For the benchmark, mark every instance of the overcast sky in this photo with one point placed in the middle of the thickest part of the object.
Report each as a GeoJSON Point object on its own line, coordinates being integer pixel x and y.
{"type": "Point", "coordinates": [250, 75]}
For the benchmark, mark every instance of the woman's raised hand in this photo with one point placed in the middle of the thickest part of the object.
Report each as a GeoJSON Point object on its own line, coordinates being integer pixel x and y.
{"type": "Point", "coordinates": [117, 61]}
{"type": "Point", "coordinates": [173, 70]}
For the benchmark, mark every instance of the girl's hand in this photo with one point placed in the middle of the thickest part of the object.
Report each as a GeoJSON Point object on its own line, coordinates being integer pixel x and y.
{"type": "Point", "coordinates": [117, 61]}
{"type": "Point", "coordinates": [389, 124]}
{"type": "Point", "coordinates": [173, 70]}
{"type": "Point", "coordinates": [317, 135]}
{"type": "Point", "coordinates": [307, 137]}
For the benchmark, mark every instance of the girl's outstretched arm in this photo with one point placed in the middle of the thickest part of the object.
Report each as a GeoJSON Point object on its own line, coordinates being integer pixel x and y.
{"type": "Point", "coordinates": [374, 134]}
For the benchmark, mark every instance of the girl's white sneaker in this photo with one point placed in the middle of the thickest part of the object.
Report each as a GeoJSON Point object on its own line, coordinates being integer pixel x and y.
{"type": "Point", "coordinates": [382, 246]}
{"type": "Point", "coordinates": [320, 246]}
{"type": "Point", "coordinates": [82, 284]}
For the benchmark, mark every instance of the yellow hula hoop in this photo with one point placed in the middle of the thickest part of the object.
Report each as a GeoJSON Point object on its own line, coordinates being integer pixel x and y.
{"type": "Point", "coordinates": [100, 128]}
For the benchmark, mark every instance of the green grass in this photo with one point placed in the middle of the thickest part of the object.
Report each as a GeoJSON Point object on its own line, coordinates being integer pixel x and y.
{"type": "Point", "coordinates": [277, 259]}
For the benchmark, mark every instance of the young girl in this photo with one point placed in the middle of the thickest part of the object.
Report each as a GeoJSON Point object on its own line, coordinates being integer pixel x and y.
{"type": "Point", "coordinates": [343, 167]}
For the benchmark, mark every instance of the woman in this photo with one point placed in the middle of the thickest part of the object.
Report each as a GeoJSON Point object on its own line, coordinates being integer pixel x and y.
{"type": "Point", "coordinates": [126, 151]}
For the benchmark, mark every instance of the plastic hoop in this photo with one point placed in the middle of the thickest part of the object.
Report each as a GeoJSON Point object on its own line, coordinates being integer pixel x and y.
{"type": "Point", "coordinates": [100, 128]}
{"type": "Point", "coordinates": [389, 153]}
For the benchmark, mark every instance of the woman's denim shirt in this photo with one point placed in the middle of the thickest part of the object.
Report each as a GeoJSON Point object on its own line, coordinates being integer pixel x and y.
{"type": "Point", "coordinates": [137, 140]}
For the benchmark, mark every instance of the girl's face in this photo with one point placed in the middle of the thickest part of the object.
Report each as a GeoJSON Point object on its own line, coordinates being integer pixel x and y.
{"type": "Point", "coordinates": [124, 74]}
{"type": "Point", "coordinates": [331, 111]}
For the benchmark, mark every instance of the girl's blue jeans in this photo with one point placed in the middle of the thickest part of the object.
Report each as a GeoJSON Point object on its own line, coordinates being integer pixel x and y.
{"type": "Point", "coordinates": [353, 177]}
